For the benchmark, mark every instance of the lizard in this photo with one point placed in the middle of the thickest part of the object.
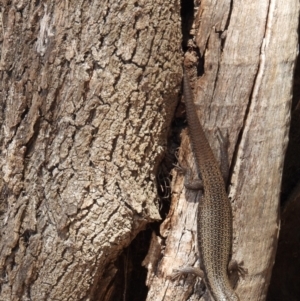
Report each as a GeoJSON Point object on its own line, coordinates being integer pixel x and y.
{"type": "Point", "coordinates": [214, 217]}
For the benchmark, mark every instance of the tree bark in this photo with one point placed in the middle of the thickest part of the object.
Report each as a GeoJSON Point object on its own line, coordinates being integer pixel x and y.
{"type": "Point", "coordinates": [285, 281]}
{"type": "Point", "coordinates": [88, 91]}
{"type": "Point", "coordinates": [247, 54]}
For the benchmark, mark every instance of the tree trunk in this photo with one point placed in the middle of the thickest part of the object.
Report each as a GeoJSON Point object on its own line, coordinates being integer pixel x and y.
{"type": "Point", "coordinates": [285, 281]}
{"type": "Point", "coordinates": [88, 91]}
{"type": "Point", "coordinates": [243, 74]}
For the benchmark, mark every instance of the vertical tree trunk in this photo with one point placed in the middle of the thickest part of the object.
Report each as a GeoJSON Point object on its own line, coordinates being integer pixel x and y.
{"type": "Point", "coordinates": [245, 65]}
{"type": "Point", "coordinates": [285, 281]}
{"type": "Point", "coordinates": [88, 90]}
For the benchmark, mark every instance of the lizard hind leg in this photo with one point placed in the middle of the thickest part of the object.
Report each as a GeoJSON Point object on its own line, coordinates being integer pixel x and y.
{"type": "Point", "coordinates": [189, 182]}
{"type": "Point", "coordinates": [236, 270]}
{"type": "Point", "coordinates": [178, 273]}
{"type": "Point", "coordinates": [189, 270]}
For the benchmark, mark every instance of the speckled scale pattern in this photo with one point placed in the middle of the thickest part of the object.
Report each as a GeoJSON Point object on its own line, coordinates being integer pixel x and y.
{"type": "Point", "coordinates": [214, 211]}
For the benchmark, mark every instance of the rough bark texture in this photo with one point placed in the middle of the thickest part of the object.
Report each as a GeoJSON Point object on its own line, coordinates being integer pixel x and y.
{"type": "Point", "coordinates": [88, 90]}
{"type": "Point", "coordinates": [249, 50]}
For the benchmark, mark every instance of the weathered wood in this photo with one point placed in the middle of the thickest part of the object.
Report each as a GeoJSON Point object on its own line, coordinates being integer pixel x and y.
{"type": "Point", "coordinates": [285, 281]}
{"type": "Point", "coordinates": [88, 91]}
{"type": "Point", "coordinates": [249, 50]}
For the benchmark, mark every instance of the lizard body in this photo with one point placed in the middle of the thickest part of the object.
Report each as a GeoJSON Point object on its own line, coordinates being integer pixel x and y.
{"type": "Point", "coordinates": [214, 220]}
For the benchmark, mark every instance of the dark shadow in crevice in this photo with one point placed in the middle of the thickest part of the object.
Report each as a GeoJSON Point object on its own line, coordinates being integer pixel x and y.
{"type": "Point", "coordinates": [187, 17]}
{"type": "Point", "coordinates": [130, 279]}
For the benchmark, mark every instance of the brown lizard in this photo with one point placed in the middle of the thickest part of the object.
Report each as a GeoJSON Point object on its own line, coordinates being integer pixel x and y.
{"type": "Point", "coordinates": [214, 220]}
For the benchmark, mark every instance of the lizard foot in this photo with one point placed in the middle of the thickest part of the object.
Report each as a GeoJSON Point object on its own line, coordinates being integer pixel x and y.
{"type": "Point", "coordinates": [235, 266]}
{"type": "Point", "coordinates": [189, 183]}
{"type": "Point", "coordinates": [178, 273]}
